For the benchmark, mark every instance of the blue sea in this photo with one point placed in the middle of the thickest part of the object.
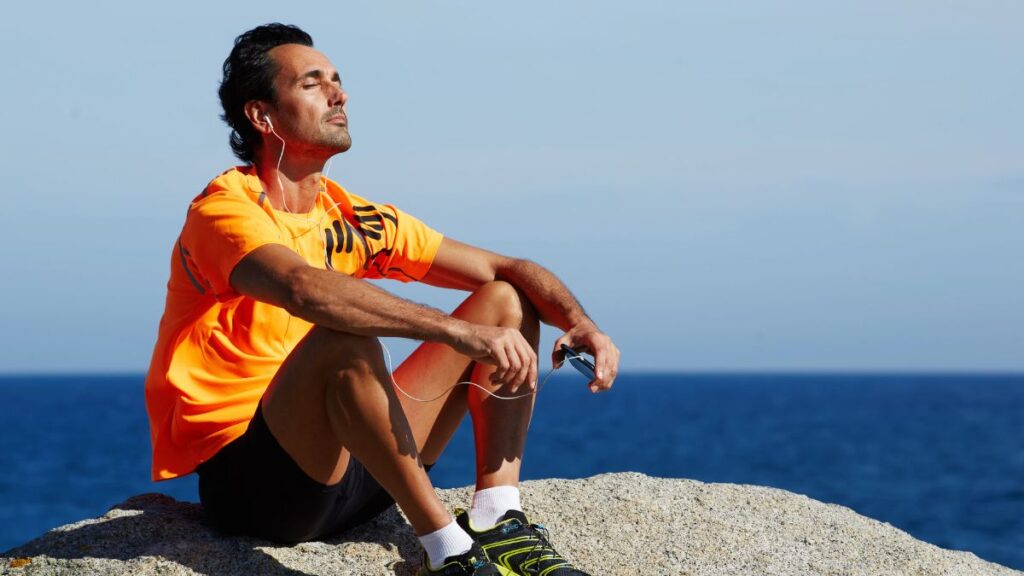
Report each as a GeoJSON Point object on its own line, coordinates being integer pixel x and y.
{"type": "Point", "coordinates": [939, 456]}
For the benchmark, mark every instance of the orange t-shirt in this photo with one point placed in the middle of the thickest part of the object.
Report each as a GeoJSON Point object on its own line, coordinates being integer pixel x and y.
{"type": "Point", "coordinates": [217, 350]}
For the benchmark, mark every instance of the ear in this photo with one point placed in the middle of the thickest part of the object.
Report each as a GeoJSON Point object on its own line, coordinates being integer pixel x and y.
{"type": "Point", "coordinates": [256, 112]}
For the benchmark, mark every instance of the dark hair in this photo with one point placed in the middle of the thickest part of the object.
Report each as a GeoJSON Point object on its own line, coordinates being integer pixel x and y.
{"type": "Point", "coordinates": [249, 75]}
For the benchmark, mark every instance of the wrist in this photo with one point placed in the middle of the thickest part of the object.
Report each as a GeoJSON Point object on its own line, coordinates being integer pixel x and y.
{"type": "Point", "coordinates": [457, 333]}
{"type": "Point", "coordinates": [582, 324]}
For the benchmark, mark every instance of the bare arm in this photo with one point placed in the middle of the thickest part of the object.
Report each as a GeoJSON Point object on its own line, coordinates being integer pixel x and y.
{"type": "Point", "coordinates": [277, 275]}
{"type": "Point", "coordinates": [459, 265]}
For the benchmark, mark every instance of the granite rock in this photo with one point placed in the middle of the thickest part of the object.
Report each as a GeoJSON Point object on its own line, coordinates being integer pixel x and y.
{"type": "Point", "coordinates": [612, 524]}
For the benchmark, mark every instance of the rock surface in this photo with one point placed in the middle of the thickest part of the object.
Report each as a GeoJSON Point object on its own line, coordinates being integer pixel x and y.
{"type": "Point", "coordinates": [609, 525]}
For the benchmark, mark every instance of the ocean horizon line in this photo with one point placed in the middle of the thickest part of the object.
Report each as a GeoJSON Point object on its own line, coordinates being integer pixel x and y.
{"type": "Point", "coordinates": [691, 372]}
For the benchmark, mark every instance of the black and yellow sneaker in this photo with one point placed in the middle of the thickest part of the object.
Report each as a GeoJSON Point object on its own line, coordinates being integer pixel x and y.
{"type": "Point", "coordinates": [518, 546]}
{"type": "Point", "coordinates": [472, 563]}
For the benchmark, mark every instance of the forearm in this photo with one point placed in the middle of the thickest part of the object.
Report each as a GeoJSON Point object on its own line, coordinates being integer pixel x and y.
{"type": "Point", "coordinates": [553, 301]}
{"type": "Point", "coordinates": [347, 304]}
{"type": "Point", "coordinates": [557, 306]}
{"type": "Point", "coordinates": [459, 265]}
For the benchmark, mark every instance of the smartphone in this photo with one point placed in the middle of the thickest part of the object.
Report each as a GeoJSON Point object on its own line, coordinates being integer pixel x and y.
{"type": "Point", "coordinates": [579, 362]}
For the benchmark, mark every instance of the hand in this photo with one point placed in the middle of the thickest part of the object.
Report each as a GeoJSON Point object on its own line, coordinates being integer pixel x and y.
{"type": "Point", "coordinates": [586, 337]}
{"type": "Point", "coordinates": [505, 348]}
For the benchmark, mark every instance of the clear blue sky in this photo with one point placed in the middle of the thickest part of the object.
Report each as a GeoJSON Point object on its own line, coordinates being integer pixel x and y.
{"type": "Point", "coordinates": [730, 186]}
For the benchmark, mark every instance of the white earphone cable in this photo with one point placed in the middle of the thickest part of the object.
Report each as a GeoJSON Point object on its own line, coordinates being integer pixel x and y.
{"type": "Point", "coordinates": [464, 383]}
{"type": "Point", "coordinates": [312, 225]}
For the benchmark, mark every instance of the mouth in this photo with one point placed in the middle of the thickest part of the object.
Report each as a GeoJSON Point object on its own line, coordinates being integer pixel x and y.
{"type": "Point", "coordinates": [338, 119]}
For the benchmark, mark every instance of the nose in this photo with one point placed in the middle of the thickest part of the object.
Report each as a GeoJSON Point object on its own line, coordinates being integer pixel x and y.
{"type": "Point", "coordinates": [337, 95]}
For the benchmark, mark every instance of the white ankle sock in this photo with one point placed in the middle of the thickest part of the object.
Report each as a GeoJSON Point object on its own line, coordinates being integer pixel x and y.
{"type": "Point", "coordinates": [490, 504]}
{"type": "Point", "coordinates": [451, 540]}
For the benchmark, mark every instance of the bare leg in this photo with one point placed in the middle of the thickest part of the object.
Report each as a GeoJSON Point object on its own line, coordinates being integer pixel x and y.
{"type": "Point", "coordinates": [333, 399]}
{"type": "Point", "coordinates": [500, 426]}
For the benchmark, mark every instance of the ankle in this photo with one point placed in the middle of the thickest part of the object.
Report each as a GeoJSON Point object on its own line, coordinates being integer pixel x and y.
{"type": "Point", "coordinates": [490, 504]}
{"type": "Point", "coordinates": [426, 515]}
{"type": "Point", "coordinates": [451, 540]}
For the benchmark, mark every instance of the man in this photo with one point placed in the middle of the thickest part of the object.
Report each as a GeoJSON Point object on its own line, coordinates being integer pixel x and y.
{"type": "Point", "coordinates": [268, 379]}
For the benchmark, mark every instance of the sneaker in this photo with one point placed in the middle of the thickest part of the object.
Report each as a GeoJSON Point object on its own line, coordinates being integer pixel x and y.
{"type": "Point", "coordinates": [522, 548]}
{"type": "Point", "coordinates": [472, 563]}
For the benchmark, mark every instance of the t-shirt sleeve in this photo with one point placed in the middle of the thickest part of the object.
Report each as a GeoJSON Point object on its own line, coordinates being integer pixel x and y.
{"type": "Point", "coordinates": [219, 231]}
{"type": "Point", "coordinates": [401, 246]}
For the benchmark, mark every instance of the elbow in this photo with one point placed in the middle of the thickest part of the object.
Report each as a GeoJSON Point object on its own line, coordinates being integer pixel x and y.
{"type": "Point", "coordinates": [516, 271]}
{"type": "Point", "coordinates": [510, 268]}
{"type": "Point", "coordinates": [299, 295]}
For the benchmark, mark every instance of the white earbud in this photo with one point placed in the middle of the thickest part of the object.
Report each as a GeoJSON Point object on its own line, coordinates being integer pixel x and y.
{"type": "Point", "coordinates": [269, 123]}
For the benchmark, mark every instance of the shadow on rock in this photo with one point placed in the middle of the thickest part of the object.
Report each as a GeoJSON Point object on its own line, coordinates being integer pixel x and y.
{"type": "Point", "coordinates": [150, 527]}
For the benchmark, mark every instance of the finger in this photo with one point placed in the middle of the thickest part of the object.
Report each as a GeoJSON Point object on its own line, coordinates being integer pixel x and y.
{"type": "Point", "coordinates": [557, 354]}
{"type": "Point", "coordinates": [596, 383]}
{"type": "Point", "coordinates": [531, 364]}
{"type": "Point", "coordinates": [501, 363]}
{"type": "Point", "coordinates": [531, 377]}
{"type": "Point", "coordinates": [613, 367]}
{"type": "Point", "coordinates": [603, 384]}
{"type": "Point", "coordinates": [602, 361]}
{"type": "Point", "coordinates": [527, 359]}
{"type": "Point", "coordinates": [519, 378]}
{"type": "Point", "coordinates": [515, 367]}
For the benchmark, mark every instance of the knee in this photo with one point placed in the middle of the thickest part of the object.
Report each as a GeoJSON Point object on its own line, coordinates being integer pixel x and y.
{"type": "Point", "coordinates": [512, 307]}
{"type": "Point", "coordinates": [348, 358]}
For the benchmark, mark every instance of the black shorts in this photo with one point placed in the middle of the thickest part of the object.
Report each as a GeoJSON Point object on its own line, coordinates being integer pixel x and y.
{"type": "Point", "coordinates": [253, 487]}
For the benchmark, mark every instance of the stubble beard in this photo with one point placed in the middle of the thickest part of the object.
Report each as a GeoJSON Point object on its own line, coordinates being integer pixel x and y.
{"type": "Point", "coordinates": [338, 142]}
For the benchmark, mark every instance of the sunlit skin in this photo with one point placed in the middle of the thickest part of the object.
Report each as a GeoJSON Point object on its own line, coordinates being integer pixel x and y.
{"type": "Point", "coordinates": [309, 114]}
{"type": "Point", "coordinates": [332, 398]}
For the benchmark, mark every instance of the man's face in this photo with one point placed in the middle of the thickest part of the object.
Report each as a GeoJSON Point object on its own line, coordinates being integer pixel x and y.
{"type": "Point", "coordinates": [310, 109]}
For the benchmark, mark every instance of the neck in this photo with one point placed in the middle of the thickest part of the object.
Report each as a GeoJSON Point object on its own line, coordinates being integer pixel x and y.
{"type": "Point", "coordinates": [295, 186]}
